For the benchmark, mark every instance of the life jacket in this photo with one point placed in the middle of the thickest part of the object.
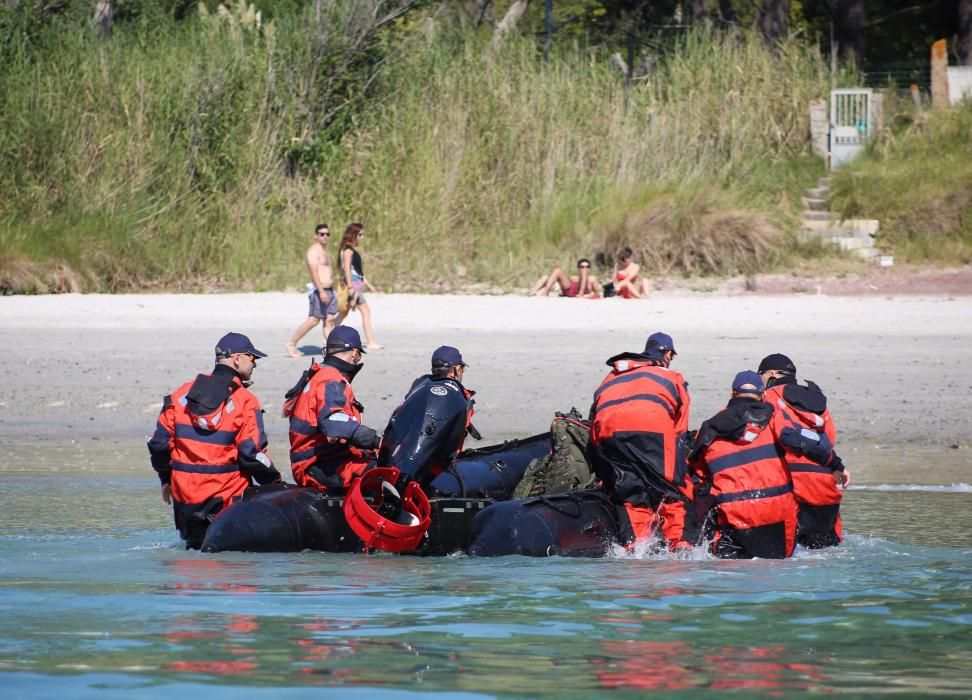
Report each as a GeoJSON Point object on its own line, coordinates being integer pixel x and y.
{"type": "Point", "coordinates": [739, 458]}
{"type": "Point", "coordinates": [638, 421]}
{"type": "Point", "coordinates": [208, 443]}
{"type": "Point", "coordinates": [319, 406]}
{"type": "Point", "coordinates": [805, 407]}
{"type": "Point", "coordinates": [427, 430]}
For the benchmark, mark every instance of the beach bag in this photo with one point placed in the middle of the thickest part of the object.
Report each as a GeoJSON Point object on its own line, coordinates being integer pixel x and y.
{"type": "Point", "coordinates": [608, 290]}
{"type": "Point", "coordinates": [565, 467]}
{"type": "Point", "coordinates": [341, 293]}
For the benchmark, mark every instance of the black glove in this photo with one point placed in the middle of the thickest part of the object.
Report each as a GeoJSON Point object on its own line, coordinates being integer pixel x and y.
{"type": "Point", "coordinates": [836, 464]}
{"type": "Point", "coordinates": [815, 446]}
{"type": "Point", "coordinates": [365, 438]}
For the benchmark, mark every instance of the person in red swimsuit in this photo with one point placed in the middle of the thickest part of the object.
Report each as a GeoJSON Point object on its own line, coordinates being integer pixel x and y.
{"type": "Point", "coordinates": [583, 284]}
{"type": "Point", "coordinates": [625, 280]}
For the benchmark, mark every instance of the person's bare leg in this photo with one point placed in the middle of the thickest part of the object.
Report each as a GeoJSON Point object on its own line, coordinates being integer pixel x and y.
{"type": "Point", "coordinates": [328, 326]}
{"type": "Point", "coordinates": [557, 276]}
{"type": "Point", "coordinates": [366, 322]}
{"type": "Point", "coordinates": [562, 279]}
{"type": "Point", "coordinates": [645, 289]}
{"type": "Point", "coordinates": [632, 290]}
{"type": "Point", "coordinates": [540, 285]}
{"type": "Point", "coordinates": [302, 330]}
{"type": "Point", "coordinates": [543, 289]}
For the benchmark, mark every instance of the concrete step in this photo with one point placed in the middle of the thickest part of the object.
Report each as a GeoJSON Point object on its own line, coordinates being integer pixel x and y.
{"type": "Point", "coordinates": [815, 204]}
{"type": "Point", "coordinates": [846, 243]}
{"type": "Point", "coordinates": [869, 253]}
{"type": "Point", "coordinates": [819, 216]}
{"type": "Point", "coordinates": [819, 225]}
{"type": "Point", "coordinates": [807, 234]}
{"type": "Point", "coordinates": [863, 228]}
{"type": "Point", "coordinates": [823, 182]}
{"type": "Point", "coordinates": [816, 193]}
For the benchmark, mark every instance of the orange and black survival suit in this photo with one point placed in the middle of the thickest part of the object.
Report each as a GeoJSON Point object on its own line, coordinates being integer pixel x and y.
{"type": "Point", "coordinates": [804, 407]}
{"type": "Point", "coordinates": [329, 445]}
{"type": "Point", "coordinates": [209, 444]}
{"type": "Point", "coordinates": [639, 420]}
{"type": "Point", "coordinates": [738, 457]}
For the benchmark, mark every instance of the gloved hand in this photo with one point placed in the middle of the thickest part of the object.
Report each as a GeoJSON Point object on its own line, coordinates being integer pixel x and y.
{"type": "Point", "coordinates": [813, 445]}
{"type": "Point", "coordinates": [365, 438]}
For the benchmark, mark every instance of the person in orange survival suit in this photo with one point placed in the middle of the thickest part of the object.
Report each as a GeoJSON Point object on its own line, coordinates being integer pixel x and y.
{"type": "Point", "coordinates": [639, 421]}
{"type": "Point", "coordinates": [804, 407]}
{"type": "Point", "coordinates": [738, 456]}
{"type": "Point", "coordinates": [209, 441]}
{"type": "Point", "coordinates": [329, 445]}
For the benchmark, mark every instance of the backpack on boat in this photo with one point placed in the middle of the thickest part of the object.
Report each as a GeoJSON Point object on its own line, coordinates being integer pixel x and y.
{"type": "Point", "coordinates": [565, 467]}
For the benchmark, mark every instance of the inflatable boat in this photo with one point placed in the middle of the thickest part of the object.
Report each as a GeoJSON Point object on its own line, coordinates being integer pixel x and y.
{"type": "Point", "coordinates": [286, 518]}
{"type": "Point", "coordinates": [425, 497]}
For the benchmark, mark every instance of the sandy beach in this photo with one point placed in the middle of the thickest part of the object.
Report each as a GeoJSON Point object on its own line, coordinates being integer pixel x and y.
{"type": "Point", "coordinates": [84, 375]}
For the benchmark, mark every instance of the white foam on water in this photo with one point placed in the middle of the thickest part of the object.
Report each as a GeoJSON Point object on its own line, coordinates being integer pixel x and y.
{"type": "Point", "coordinates": [932, 488]}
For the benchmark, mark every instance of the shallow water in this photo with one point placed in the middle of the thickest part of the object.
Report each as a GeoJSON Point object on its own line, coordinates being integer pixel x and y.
{"type": "Point", "coordinates": [98, 598]}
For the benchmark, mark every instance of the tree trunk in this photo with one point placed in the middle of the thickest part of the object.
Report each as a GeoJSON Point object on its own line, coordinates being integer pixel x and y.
{"type": "Point", "coordinates": [849, 22]}
{"type": "Point", "coordinates": [509, 21]}
{"type": "Point", "coordinates": [726, 12]}
{"type": "Point", "coordinates": [964, 45]}
{"type": "Point", "coordinates": [104, 17]}
{"type": "Point", "coordinates": [700, 10]}
{"type": "Point", "coordinates": [774, 19]}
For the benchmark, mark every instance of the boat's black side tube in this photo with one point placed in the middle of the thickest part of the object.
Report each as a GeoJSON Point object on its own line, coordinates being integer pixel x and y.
{"type": "Point", "coordinates": [574, 524]}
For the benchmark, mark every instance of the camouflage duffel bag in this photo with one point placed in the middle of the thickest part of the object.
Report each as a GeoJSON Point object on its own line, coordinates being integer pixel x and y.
{"type": "Point", "coordinates": [565, 467]}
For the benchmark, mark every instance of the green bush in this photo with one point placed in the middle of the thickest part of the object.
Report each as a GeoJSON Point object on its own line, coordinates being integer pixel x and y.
{"type": "Point", "coordinates": [917, 180]}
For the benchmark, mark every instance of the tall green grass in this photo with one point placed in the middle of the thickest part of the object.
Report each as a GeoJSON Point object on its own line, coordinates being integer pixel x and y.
{"type": "Point", "coordinates": [917, 180]}
{"type": "Point", "coordinates": [203, 153]}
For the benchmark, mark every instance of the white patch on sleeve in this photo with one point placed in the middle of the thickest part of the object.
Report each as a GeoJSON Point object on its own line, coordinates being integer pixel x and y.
{"type": "Point", "coordinates": [749, 436]}
{"type": "Point", "coordinates": [810, 434]}
{"type": "Point", "coordinates": [340, 417]}
{"type": "Point", "coordinates": [262, 458]}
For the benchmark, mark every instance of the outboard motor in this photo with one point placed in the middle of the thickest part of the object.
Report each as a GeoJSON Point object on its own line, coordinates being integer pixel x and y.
{"type": "Point", "coordinates": [387, 507]}
{"type": "Point", "coordinates": [426, 432]}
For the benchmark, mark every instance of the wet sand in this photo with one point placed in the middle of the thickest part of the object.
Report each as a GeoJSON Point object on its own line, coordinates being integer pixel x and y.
{"type": "Point", "coordinates": [84, 375]}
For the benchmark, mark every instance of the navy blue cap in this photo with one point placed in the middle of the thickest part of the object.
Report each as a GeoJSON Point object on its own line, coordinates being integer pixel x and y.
{"type": "Point", "coordinates": [748, 382]}
{"type": "Point", "coordinates": [660, 342]}
{"type": "Point", "coordinates": [343, 338]}
{"type": "Point", "coordinates": [233, 343]}
{"type": "Point", "coordinates": [777, 361]}
{"type": "Point", "coordinates": [447, 356]}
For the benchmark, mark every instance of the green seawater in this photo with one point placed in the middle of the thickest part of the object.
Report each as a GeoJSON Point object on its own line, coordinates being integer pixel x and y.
{"type": "Point", "coordinates": [99, 599]}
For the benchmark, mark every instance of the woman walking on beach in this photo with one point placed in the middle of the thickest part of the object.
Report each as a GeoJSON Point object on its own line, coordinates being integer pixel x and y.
{"type": "Point", "coordinates": [352, 273]}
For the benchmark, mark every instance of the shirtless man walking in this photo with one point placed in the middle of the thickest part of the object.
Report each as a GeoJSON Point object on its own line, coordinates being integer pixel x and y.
{"type": "Point", "coordinates": [322, 303]}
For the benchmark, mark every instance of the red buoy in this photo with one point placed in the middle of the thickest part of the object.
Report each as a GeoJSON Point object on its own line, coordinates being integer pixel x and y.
{"type": "Point", "coordinates": [362, 506]}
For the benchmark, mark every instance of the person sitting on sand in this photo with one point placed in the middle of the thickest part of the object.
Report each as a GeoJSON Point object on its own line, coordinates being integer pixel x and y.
{"type": "Point", "coordinates": [583, 284]}
{"type": "Point", "coordinates": [625, 280]}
